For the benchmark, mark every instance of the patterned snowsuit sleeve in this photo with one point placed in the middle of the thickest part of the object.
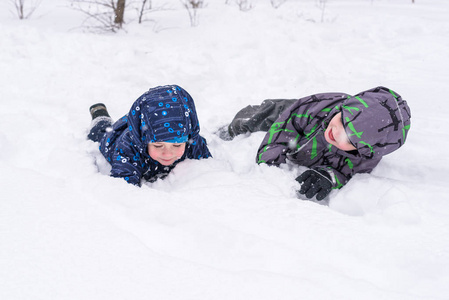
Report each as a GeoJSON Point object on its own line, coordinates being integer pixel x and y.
{"type": "Point", "coordinates": [274, 146]}
{"type": "Point", "coordinates": [351, 167]}
{"type": "Point", "coordinates": [198, 149]}
{"type": "Point", "coordinates": [282, 136]}
{"type": "Point", "coordinates": [127, 163]}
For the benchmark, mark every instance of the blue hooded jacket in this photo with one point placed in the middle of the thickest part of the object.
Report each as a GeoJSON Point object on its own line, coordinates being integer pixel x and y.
{"type": "Point", "coordinates": [162, 114]}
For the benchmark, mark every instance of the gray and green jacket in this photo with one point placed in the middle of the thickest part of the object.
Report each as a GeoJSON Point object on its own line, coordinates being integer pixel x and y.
{"type": "Point", "coordinates": [376, 121]}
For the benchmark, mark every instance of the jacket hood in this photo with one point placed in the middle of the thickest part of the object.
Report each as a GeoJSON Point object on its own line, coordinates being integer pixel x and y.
{"type": "Point", "coordinates": [376, 121]}
{"type": "Point", "coordinates": [163, 114]}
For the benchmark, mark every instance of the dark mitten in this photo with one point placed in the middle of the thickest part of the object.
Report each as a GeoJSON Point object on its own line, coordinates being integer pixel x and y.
{"type": "Point", "coordinates": [315, 182]}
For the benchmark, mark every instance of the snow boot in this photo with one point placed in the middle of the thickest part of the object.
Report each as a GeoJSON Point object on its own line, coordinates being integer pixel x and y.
{"type": "Point", "coordinates": [225, 134]}
{"type": "Point", "coordinates": [98, 110]}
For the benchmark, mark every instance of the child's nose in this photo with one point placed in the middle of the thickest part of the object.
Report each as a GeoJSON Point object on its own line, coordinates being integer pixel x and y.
{"type": "Point", "coordinates": [167, 152]}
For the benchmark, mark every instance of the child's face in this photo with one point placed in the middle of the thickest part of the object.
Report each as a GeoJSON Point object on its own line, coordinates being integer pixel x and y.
{"type": "Point", "coordinates": [166, 153]}
{"type": "Point", "coordinates": [335, 134]}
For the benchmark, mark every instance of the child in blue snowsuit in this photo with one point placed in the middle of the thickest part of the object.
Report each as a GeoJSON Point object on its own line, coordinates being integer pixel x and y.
{"type": "Point", "coordinates": [160, 130]}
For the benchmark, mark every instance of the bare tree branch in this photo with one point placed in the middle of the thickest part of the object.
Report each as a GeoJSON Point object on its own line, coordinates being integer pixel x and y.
{"type": "Point", "coordinates": [106, 15]}
{"type": "Point", "coordinates": [21, 11]}
{"type": "Point", "coordinates": [192, 7]}
{"type": "Point", "coordinates": [244, 5]}
{"type": "Point", "coordinates": [277, 3]}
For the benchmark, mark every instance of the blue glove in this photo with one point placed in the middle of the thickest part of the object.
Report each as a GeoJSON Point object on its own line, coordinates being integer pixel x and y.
{"type": "Point", "coordinates": [315, 182]}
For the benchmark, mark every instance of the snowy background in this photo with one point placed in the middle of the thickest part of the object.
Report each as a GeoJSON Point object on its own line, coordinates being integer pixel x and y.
{"type": "Point", "coordinates": [222, 228]}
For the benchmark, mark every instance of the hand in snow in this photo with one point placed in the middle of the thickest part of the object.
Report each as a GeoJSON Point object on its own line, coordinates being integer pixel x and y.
{"type": "Point", "coordinates": [315, 182]}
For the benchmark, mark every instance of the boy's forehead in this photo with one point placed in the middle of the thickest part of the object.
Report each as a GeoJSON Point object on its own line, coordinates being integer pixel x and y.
{"type": "Point", "coordinates": [164, 143]}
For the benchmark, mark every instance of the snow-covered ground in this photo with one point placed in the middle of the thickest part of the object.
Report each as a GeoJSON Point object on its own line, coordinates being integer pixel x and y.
{"type": "Point", "coordinates": [222, 228]}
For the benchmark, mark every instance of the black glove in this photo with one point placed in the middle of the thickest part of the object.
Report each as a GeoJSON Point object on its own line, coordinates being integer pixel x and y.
{"type": "Point", "coordinates": [315, 182]}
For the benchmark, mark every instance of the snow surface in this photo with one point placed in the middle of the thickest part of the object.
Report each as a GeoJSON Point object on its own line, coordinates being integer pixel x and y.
{"type": "Point", "coordinates": [222, 228]}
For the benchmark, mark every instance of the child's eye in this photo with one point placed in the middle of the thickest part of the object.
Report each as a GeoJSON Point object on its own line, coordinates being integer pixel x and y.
{"type": "Point", "coordinates": [176, 145]}
{"type": "Point", "coordinates": [157, 146]}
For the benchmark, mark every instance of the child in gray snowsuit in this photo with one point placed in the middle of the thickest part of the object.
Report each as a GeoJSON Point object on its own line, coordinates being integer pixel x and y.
{"type": "Point", "coordinates": [335, 135]}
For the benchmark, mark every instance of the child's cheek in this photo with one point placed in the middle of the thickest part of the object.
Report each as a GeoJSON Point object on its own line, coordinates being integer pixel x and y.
{"type": "Point", "coordinates": [180, 152]}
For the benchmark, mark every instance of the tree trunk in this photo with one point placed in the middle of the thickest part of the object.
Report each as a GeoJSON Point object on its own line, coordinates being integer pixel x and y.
{"type": "Point", "coordinates": [119, 12]}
